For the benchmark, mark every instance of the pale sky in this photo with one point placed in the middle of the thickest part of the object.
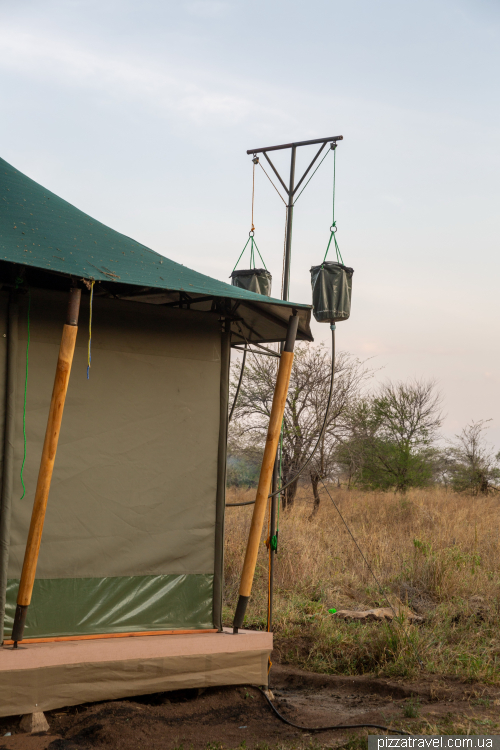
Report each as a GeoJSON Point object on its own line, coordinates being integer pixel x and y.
{"type": "Point", "coordinates": [141, 114]}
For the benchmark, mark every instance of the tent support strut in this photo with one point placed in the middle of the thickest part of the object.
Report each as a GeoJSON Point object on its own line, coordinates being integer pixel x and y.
{"type": "Point", "coordinates": [266, 471]}
{"type": "Point", "coordinates": [63, 370]}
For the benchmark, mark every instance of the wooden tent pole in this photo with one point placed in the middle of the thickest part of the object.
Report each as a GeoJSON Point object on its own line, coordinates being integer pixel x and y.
{"type": "Point", "coordinates": [61, 381]}
{"type": "Point", "coordinates": [266, 471]}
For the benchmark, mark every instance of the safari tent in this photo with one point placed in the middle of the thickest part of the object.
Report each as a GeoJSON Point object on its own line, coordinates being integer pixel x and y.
{"type": "Point", "coordinates": [134, 529]}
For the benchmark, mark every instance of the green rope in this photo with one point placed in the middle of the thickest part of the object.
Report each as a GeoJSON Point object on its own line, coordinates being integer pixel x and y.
{"type": "Point", "coordinates": [25, 392]}
{"type": "Point", "coordinates": [334, 169]}
{"type": "Point", "coordinates": [337, 249]}
{"type": "Point", "coordinates": [333, 228]}
{"type": "Point", "coordinates": [260, 256]}
{"type": "Point", "coordinates": [241, 253]}
{"type": "Point", "coordinates": [252, 253]}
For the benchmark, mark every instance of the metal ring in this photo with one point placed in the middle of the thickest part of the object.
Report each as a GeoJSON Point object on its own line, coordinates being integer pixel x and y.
{"type": "Point", "coordinates": [251, 233]}
{"type": "Point", "coordinates": [333, 228]}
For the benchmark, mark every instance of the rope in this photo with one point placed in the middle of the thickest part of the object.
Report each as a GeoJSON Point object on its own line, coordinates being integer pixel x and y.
{"type": "Point", "coordinates": [246, 243]}
{"type": "Point", "coordinates": [310, 178]}
{"type": "Point", "coordinates": [252, 253]}
{"type": "Point", "coordinates": [260, 256]}
{"type": "Point", "coordinates": [323, 428]}
{"type": "Point", "coordinates": [89, 351]}
{"type": "Point", "coordinates": [251, 239]}
{"type": "Point", "coordinates": [337, 249]}
{"type": "Point", "coordinates": [25, 394]}
{"type": "Point", "coordinates": [239, 382]}
{"type": "Point", "coordinates": [379, 586]}
{"type": "Point", "coordinates": [334, 170]}
{"type": "Point", "coordinates": [253, 193]}
{"type": "Point", "coordinates": [272, 183]}
{"type": "Point", "coordinates": [333, 228]}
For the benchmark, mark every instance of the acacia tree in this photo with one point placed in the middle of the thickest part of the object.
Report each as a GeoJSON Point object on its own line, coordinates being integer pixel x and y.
{"type": "Point", "coordinates": [392, 435]}
{"type": "Point", "coordinates": [472, 465]}
{"type": "Point", "coordinates": [304, 412]}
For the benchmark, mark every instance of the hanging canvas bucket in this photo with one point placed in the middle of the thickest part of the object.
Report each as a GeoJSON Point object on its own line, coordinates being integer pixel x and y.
{"type": "Point", "coordinates": [253, 280]}
{"type": "Point", "coordinates": [331, 290]}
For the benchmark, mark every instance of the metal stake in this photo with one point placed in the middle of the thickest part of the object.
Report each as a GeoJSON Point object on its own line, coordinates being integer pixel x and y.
{"type": "Point", "coordinates": [272, 533]}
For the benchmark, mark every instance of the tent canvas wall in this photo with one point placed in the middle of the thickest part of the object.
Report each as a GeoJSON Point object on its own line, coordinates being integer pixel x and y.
{"type": "Point", "coordinates": [133, 535]}
{"type": "Point", "coordinates": [129, 537]}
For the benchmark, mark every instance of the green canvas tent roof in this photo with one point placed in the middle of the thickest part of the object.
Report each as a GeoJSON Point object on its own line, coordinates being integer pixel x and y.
{"type": "Point", "coordinates": [40, 230]}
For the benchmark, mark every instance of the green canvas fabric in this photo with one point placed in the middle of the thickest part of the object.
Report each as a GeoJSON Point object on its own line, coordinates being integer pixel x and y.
{"type": "Point", "coordinates": [331, 287]}
{"type": "Point", "coordinates": [254, 280]}
{"type": "Point", "coordinates": [134, 488]}
{"type": "Point", "coordinates": [126, 604]}
{"type": "Point", "coordinates": [6, 403]}
{"type": "Point", "coordinates": [37, 228]}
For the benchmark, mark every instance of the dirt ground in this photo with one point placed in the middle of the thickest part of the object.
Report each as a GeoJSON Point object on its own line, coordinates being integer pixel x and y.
{"type": "Point", "coordinates": [239, 717]}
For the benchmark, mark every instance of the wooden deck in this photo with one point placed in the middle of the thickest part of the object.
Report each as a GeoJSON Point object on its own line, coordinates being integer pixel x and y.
{"type": "Point", "coordinates": [44, 676]}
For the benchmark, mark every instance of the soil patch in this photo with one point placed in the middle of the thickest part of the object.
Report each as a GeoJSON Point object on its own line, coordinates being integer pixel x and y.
{"type": "Point", "coordinates": [229, 717]}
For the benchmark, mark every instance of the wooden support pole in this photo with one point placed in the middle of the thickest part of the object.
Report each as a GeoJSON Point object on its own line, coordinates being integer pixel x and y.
{"type": "Point", "coordinates": [266, 471]}
{"type": "Point", "coordinates": [61, 381]}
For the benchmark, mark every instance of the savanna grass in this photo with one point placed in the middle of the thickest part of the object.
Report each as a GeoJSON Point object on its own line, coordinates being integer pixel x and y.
{"type": "Point", "coordinates": [436, 551]}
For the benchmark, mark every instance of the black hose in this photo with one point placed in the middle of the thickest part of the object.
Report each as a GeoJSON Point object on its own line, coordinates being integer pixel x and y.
{"type": "Point", "coordinates": [239, 383]}
{"type": "Point", "coordinates": [334, 726]}
{"type": "Point", "coordinates": [308, 461]}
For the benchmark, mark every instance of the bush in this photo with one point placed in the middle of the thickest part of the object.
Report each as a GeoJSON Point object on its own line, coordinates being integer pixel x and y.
{"type": "Point", "coordinates": [242, 472]}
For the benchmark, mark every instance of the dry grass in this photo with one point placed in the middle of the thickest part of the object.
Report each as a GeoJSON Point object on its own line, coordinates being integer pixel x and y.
{"type": "Point", "coordinates": [435, 550]}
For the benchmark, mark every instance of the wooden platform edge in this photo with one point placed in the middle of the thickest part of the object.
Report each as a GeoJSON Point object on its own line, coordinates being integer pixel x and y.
{"type": "Point", "coordinates": [45, 688]}
{"type": "Point", "coordinates": [93, 637]}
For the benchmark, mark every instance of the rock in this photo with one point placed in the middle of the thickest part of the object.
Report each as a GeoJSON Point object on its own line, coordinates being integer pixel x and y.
{"type": "Point", "coordinates": [34, 723]}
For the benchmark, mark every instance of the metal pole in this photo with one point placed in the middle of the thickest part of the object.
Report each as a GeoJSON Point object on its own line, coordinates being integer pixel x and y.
{"type": "Point", "coordinates": [8, 450]}
{"type": "Point", "coordinates": [286, 290]}
{"type": "Point", "coordinates": [220, 500]}
{"type": "Point", "coordinates": [272, 533]}
{"type": "Point", "coordinates": [297, 143]}
{"type": "Point", "coordinates": [288, 247]}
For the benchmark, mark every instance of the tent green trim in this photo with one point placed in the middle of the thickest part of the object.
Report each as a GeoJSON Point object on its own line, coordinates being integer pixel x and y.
{"type": "Point", "coordinates": [89, 606]}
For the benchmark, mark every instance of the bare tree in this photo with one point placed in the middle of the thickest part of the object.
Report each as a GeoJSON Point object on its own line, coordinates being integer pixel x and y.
{"type": "Point", "coordinates": [472, 465]}
{"type": "Point", "coordinates": [305, 409]}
